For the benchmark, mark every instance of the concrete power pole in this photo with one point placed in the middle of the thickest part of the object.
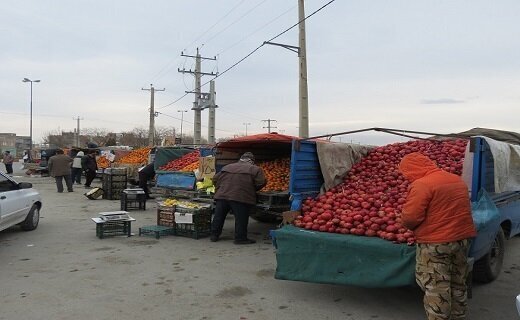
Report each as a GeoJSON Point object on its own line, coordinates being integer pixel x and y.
{"type": "Point", "coordinates": [151, 129]}
{"type": "Point", "coordinates": [269, 124]}
{"type": "Point", "coordinates": [303, 90]}
{"type": "Point", "coordinates": [211, 112]}
{"type": "Point", "coordinates": [78, 142]}
{"type": "Point", "coordinates": [197, 123]}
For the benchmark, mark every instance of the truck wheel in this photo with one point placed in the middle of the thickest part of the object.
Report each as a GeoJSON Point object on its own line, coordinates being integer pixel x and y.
{"type": "Point", "coordinates": [488, 267]}
{"type": "Point", "coordinates": [32, 219]}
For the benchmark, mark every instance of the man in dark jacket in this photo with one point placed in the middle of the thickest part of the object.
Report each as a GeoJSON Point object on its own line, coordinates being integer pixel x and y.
{"type": "Point", "coordinates": [236, 186]}
{"type": "Point", "coordinates": [146, 174]}
{"type": "Point", "coordinates": [89, 165]}
{"type": "Point", "coordinates": [59, 168]}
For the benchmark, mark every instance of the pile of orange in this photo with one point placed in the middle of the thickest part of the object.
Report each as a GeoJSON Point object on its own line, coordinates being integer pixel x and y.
{"type": "Point", "coordinates": [190, 167]}
{"type": "Point", "coordinates": [102, 162]}
{"type": "Point", "coordinates": [138, 156]}
{"type": "Point", "coordinates": [277, 173]}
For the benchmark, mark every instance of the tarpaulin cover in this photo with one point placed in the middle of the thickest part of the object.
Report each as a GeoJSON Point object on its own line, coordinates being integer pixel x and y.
{"type": "Point", "coordinates": [321, 257]}
{"type": "Point", "coordinates": [257, 140]}
{"type": "Point", "coordinates": [165, 155]}
{"type": "Point", "coordinates": [336, 159]}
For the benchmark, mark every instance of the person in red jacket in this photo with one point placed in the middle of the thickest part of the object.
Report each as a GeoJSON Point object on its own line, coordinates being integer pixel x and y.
{"type": "Point", "coordinates": [438, 210]}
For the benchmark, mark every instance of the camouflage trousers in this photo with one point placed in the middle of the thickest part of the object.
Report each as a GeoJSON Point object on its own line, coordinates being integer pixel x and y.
{"type": "Point", "coordinates": [441, 271]}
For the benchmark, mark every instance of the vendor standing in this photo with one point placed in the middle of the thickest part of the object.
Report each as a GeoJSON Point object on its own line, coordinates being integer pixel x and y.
{"type": "Point", "coordinates": [236, 186]}
{"type": "Point", "coordinates": [438, 210]}
{"type": "Point", "coordinates": [146, 174]}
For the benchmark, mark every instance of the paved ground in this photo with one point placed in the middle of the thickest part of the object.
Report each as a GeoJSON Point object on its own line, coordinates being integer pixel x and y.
{"type": "Point", "coordinates": [62, 271]}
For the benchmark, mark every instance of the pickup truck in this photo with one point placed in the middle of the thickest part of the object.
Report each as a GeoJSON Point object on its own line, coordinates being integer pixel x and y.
{"type": "Point", "coordinates": [303, 255]}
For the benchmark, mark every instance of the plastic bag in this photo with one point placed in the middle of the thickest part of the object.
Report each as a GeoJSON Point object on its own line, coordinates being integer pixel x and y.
{"type": "Point", "coordinates": [485, 212]}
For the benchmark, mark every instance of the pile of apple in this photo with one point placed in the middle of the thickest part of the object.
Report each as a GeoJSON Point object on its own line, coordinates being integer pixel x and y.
{"type": "Point", "coordinates": [369, 200]}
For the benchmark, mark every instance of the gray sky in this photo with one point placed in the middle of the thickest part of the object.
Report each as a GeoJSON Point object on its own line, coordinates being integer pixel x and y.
{"type": "Point", "coordinates": [437, 66]}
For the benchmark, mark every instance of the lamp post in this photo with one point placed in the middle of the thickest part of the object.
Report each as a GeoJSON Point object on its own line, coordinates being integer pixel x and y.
{"type": "Point", "coordinates": [30, 126]}
{"type": "Point", "coordinates": [182, 119]}
{"type": "Point", "coordinates": [246, 124]}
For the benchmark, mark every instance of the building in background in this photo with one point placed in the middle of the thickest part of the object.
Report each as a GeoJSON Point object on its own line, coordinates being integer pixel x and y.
{"type": "Point", "coordinates": [22, 144]}
{"type": "Point", "coordinates": [8, 143]}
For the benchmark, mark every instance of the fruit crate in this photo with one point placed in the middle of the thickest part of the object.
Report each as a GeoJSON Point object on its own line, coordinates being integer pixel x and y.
{"type": "Point", "coordinates": [133, 201]}
{"type": "Point", "coordinates": [166, 216]}
{"type": "Point", "coordinates": [112, 194]}
{"type": "Point", "coordinates": [272, 198]}
{"type": "Point", "coordinates": [199, 227]}
{"type": "Point", "coordinates": [113, 228]}
{"type": "Point", "coordinates": [156, 231]}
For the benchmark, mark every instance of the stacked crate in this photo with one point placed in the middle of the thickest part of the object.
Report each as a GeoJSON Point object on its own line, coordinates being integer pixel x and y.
{"type": "Point", "coordinates": [114, 182]}
{"type": "Point", "coordinates": [166, 216]}
{"type": "Point", "coordinates": [193, 223]}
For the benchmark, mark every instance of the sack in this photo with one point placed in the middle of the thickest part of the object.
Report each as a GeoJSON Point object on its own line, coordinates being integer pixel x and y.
{"type": "Point", "coordinates": [485, 212]}
{"type": "Point", "coordinates": [94, 193]}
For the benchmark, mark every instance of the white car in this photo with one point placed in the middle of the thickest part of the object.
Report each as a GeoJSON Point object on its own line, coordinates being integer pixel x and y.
{"type": "Point", "coordinates": [19, 204]}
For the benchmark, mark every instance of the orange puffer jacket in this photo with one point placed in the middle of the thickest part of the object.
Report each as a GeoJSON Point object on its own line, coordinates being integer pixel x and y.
{"type": "Point", "coordinates": [437, 208]}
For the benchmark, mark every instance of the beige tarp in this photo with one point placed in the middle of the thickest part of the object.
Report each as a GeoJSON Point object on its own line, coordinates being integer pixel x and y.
{"type": "Point", "coordinates": [336, 159]}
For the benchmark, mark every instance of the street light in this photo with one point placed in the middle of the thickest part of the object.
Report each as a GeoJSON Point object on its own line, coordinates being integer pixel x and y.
{"type": "Point", "coordinates": [246, 124]}
{"type": "Point", "coordinates": [30, 127]}
{"type": "Point", "coordinates": [182, 119]}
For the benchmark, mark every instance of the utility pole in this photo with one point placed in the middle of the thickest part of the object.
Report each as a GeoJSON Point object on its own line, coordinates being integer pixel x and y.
{"type": "Point", "coordinates": [246, 124]}
{"type": "Point", "coordinates": [197, 122]}
{"type": "Point", "coordinates": [151, 129]}
{"type": "Point", "coordinates": [182, 119]}
{"type": "Point", "coordinates": [301, 50]}
{"type": "Point", "coordinates": [269, 124]}
{"type": "Point", "coordinates": [78, 119]}
{"type": "Point", "coordinates": [209, 101]}
{"type": "Point", "coordinates": [303, 91]}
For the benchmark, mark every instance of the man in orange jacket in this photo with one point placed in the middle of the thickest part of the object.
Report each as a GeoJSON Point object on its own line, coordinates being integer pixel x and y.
{"type": "Point", "coordinates": [438, 210]}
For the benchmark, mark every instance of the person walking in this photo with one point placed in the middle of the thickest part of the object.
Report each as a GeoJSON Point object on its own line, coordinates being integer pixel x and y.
{"type": "Point", "coordinates": [76, 168]}
{"type": "Point", "coordinates": [8, 162]}
{"type": "Point", "coordinates": [438, 210]}
{"type": "Point", "coordinates": [236, 186]}
{"type": "Point", "coordinates": [89, 165]}
{"type": "Point", "coordinates": [59, 168]}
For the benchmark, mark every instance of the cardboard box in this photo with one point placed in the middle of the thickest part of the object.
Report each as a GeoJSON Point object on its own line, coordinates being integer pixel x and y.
{"type": "Point", "coordinates": [206, 167]}
{"type": "Point", "coordinates": [183, 217]}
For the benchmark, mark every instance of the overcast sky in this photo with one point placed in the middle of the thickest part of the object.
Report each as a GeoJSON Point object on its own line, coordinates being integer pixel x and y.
{"type": "Point", "coordinates": [436, 66]}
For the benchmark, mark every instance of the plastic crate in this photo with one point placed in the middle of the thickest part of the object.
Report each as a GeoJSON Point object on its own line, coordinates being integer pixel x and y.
{"type": "Point", "coordinates": [156, 231]}
{"type": "Point", "coordinates": [112, 194]}
{"type": "Point", "coordinates": [132, 201]}
{"type": "Point", "coordinates": [113, 228]}
{"type": "Point", "coordinates": [200, 226]}
{"type": "Point", "coordinates": [115, 171]}
{"type": "Point", "coordinates": [166, 216]}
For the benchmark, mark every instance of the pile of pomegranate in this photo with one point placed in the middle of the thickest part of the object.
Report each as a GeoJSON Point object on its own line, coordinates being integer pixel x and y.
{"type": "Point", "coordinates": [369, 200]}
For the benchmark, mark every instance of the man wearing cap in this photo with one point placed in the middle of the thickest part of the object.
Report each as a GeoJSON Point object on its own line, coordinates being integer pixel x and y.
{"type": "Point", "coordinates": [236, 186]}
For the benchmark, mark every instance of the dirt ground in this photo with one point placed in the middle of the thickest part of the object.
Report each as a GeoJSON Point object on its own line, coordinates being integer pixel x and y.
{"type": "Point", "coordinates": [62, 271]}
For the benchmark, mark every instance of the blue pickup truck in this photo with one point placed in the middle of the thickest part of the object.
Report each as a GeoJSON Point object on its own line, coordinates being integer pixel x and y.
{"type": "Point", "coordinates": [295, 261]}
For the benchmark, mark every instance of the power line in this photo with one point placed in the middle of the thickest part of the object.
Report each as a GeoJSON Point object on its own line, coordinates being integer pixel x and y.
{"type": "Point", "coordinates": [252, 52]}
{"type": "Point", "coordinates": [252, 33]}
{"type": "Point", "coordinates": [216, 23]}
{"type": "Point", "coordinates": [234, 22]}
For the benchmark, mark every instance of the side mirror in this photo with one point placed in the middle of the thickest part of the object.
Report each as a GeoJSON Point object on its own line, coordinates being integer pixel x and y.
{"type": "Point", "coordinates": [25, 185]}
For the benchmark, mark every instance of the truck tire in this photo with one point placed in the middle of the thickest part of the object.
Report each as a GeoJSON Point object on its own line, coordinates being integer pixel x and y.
{"type": "Point", "coordinates": [32, 219]}
{"type": "Point", "coordinates": [487, 268]}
